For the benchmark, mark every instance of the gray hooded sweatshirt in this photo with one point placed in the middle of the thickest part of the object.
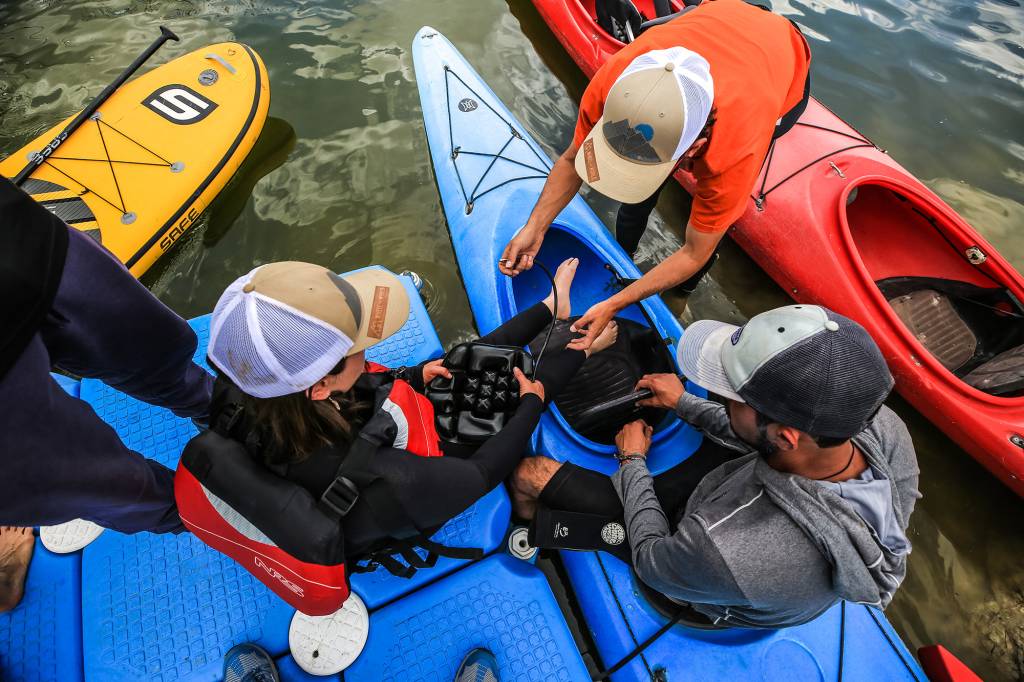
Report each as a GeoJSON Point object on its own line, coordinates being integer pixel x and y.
{"type": "Point", "coordinates": [760, 548]}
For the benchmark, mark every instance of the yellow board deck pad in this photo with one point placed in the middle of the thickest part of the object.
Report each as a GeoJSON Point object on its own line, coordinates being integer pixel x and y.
{"type": "Point", "coordinates": [138, 173]}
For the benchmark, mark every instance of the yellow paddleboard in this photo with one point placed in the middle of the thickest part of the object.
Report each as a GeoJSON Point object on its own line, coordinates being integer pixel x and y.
{"type": "Point", "coordinates": [137, 175]}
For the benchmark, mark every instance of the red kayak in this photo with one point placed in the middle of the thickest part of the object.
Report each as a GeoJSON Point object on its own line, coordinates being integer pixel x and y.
{"type": "Point", "coordinates": [836, 222]}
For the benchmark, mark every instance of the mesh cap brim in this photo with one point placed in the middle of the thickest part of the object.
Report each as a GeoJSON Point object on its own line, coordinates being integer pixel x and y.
{"type": "Point", "coordinates": [614, 176]}
{"type": "Point", "coordinates": [700, 356]}
{"type": "Point", "coordinates": [385, 306]}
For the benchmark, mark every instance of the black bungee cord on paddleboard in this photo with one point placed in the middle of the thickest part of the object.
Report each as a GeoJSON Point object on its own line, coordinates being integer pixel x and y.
{"type": "Point", "coordinates": [42, 155]}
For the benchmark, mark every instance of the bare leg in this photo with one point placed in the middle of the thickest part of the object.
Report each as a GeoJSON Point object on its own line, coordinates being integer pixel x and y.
{"type": "Point", "coordinates": [16, 546]}
{"type": "Point", "coordinates": [528, 480]}
{"type": "Point", "coordinates": [563, 283]}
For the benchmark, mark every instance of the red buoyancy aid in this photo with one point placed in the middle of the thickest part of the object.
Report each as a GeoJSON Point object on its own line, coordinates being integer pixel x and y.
{"type": "Point", "coordinates": [276, 529]}
{"type": "Point", "coordinates": [412, 414]}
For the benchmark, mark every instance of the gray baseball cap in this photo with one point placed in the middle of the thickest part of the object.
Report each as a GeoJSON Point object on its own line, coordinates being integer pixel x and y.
{"type": "Point", "coordinates": [801, 365]}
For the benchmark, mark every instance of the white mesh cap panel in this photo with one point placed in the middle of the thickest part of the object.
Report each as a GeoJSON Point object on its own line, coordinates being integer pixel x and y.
{"type": "Point", "coordinates": [297, 342]}
{"type": "Point", "coordinates": [693, 76]}
{"type": "Point", "coordinates": [233, 351]}
{"type": "Point", "coordinates": [267, 348]}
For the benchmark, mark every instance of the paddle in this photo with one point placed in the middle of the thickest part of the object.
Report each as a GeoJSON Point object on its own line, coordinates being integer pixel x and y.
{"type": "Point", "coordinates": [41, 156]}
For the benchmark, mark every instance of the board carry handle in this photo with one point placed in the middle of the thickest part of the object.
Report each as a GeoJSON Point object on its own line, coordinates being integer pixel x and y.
{"type": "Point", "coordinates": [39, 157]}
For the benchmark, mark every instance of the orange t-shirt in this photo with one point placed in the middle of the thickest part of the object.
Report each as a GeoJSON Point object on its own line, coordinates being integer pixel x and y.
{"type": "Point", "coordinates": [759, 65]}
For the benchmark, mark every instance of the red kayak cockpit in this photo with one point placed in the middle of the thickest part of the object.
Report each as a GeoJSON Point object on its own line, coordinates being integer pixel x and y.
{"type": "Point", "coordinates": [944, 286]}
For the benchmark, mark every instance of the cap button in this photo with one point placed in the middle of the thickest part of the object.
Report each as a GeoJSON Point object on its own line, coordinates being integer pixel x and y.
{"type": "Point", "coordinates": [249, 288]}
{"type": "Point", "coordinates": [832, 326]}
{"type": "Point", "coordinates": [670, 66]}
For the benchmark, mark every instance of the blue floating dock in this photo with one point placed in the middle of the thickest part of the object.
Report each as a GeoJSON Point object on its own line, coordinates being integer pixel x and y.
{"type": "Point", "coordinates": [500, 603]}
{"type": "Point", "coordinates": [41, 640]}
{"type": "Point", "coordinates": [619, 618]}
{"type": "Point", "coordinates": [164, 608]}
{"type": "Point", "coordinates": [483, 525]}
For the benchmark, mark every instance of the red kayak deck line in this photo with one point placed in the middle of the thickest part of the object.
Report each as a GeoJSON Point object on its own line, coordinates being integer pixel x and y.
{"type": "Point", "coordinates": [832, 216]}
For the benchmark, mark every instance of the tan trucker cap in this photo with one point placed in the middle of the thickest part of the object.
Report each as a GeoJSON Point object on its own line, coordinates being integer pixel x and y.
{"type": "Point", "coordinates": [284, 326]}
{"type": "Point", "coordinates": [654, 112]}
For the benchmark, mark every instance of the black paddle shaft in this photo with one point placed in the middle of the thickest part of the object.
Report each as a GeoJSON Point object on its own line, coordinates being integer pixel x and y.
{"type": "Point", "coordinates": [41, 156]}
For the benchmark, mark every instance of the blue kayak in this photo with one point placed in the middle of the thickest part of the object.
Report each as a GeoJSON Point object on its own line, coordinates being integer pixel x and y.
{"type": "Point", "coordinates": [489, 174]}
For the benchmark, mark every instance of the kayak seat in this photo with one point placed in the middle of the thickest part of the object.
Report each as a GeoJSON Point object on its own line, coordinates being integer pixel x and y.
{"type": "Point", "coordinates": [932, 319]}
{"type": "Point", "coordinates": [607, 375]}
{"type": "Point", "coordinates": [1003, 375]}
{"type": "Point", "coordinates": [619, 18]}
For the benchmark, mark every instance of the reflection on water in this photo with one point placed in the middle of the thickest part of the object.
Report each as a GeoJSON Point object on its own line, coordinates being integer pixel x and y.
{"type": "Point", "coordinates": [346, 182]}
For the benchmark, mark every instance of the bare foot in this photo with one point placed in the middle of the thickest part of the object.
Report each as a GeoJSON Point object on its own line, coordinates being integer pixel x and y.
{"type": "Point", "coordinates": [605, 339]}
{"type": "Point", "coordinates": [563, 282]}
{"type": "Point", "coordinates": [15, 553]}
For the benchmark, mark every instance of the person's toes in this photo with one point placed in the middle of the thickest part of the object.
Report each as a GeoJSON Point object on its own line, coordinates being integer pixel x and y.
{"type": "Point", "coordinates": [16, 546]}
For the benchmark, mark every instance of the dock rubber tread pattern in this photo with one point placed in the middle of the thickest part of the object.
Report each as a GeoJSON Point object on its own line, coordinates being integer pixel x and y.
{"type": "Point", "coordinates": [41, 639]}
{"type": "Point", "coordinates": [166, 607]}
{"type": "Point", "coordinates": [502, 604]}
{"type": "Point", "coordinates": [483, 525]}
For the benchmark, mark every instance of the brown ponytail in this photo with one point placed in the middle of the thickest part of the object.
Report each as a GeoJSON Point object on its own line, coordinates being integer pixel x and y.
{"type": "Point", "coordinates": [293, 426]}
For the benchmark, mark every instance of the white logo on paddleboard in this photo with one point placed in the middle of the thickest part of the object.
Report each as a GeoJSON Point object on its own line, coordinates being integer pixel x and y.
{"type": "Point", "coordinates": [180, 104]}
{"type": "Point", "coordinates": [273, 573]}
{"type": "Point", "coordinates": [613, 533]}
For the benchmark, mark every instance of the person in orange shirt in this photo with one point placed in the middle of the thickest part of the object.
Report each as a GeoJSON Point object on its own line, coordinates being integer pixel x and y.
{"type": "Point", "coordinates": [706, 92]}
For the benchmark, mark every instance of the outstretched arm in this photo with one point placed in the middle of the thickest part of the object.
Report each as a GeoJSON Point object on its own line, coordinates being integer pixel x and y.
{"type": "Point", "coordinates": [559, 189]}
{"type": "Point", "coordinates": [675, 269]}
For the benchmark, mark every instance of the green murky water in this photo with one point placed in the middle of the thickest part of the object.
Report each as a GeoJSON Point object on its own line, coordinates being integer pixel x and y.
{"type": "Point", "coordinates": [341, 177]}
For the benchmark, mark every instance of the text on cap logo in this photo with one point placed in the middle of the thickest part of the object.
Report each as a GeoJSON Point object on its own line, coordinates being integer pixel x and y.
{"type": "Point", "coordinates": [378, 313]}
{"type": "Point", "coordinates": [590, 160]}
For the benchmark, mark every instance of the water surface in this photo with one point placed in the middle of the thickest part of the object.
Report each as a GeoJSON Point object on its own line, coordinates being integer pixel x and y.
{"type": "Point", "coordinates": [347, 183]}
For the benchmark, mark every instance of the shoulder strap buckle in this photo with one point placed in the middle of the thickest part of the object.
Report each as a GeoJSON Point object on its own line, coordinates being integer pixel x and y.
{"type": "Point", "coordinates": [340, 496]}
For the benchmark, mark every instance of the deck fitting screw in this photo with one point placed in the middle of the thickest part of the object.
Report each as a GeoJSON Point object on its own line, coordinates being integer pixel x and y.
{"type": "Point", "coordinates": [1017, 440]}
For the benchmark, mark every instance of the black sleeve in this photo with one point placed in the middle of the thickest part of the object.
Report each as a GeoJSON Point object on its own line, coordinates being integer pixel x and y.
{"type": "Point", "coordinates": [434, 489]}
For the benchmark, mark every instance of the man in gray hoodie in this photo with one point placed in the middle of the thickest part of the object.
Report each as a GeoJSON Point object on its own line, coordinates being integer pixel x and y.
{"type": "Point", "coordinates": [802, 496]}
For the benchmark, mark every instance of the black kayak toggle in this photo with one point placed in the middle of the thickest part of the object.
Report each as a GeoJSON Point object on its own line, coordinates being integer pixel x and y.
{"type": "Point", "coordinates": [482, 394]}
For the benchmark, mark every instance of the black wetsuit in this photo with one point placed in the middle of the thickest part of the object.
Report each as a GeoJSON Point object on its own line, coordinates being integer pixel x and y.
{"type": "Point", "coordinates": [432, 490]}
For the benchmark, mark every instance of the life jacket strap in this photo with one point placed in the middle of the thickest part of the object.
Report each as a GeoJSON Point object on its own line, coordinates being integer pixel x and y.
{"type": "Point", "coordinates": [469, 553]}
{"type": "Point", "coordinates": [339, 498]}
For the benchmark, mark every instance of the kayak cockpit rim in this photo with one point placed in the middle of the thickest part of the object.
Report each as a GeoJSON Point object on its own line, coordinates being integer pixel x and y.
{"type": "Point", "coordinates": [625, 268]}
{"type": "Point", "coordinates": [952, 228]}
